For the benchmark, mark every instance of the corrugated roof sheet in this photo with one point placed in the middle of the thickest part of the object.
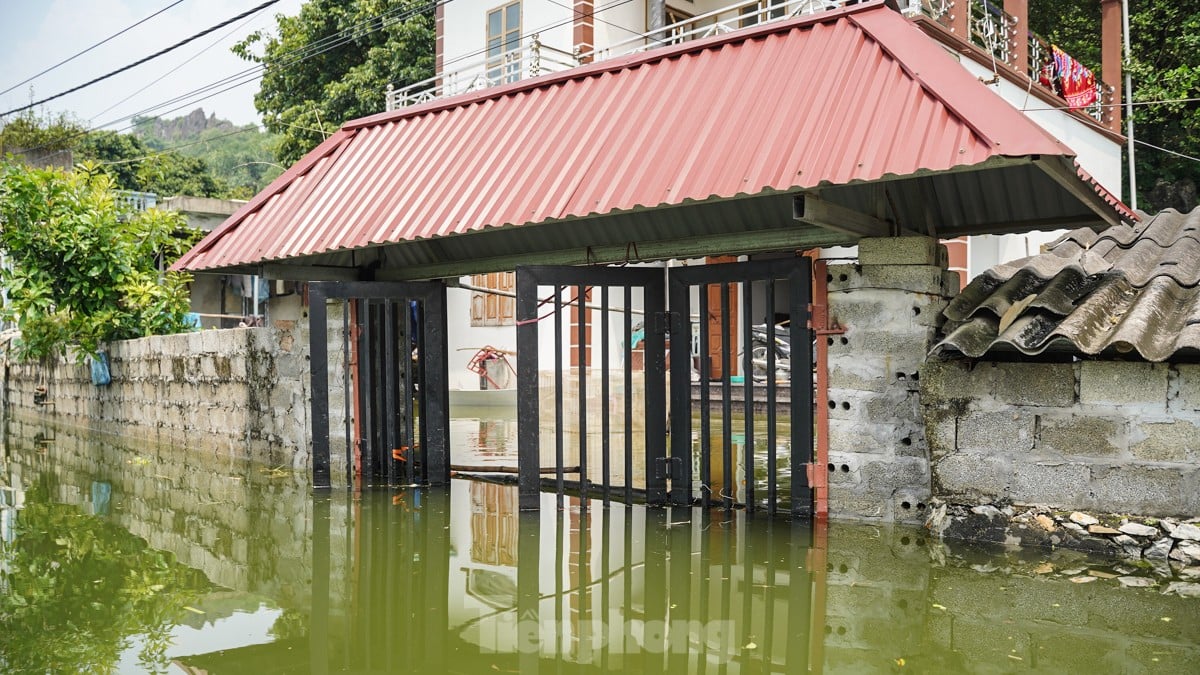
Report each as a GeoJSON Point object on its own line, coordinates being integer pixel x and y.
{"type": "Point", "coordinates": [843, 103]}
{"type": "Point", "coordinates": [1122, 290]}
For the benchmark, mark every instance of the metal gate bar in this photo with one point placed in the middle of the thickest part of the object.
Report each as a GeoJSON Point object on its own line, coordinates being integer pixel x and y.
{"type": "Point", "coordinates": [528, 306]}
{"type": "Point", "coordinates": [399, 448]}
{"type": "Point", "coordinates": [796, 273]}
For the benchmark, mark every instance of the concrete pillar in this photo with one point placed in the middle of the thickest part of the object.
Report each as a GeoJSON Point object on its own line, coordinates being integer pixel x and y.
{"type": "Point", "coordinates": [890, 305]}
{"type": "Point", "coordinates": [1111, 45]}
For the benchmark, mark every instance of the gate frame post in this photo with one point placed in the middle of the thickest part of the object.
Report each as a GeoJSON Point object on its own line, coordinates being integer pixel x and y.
{"type": "Point", "coordinates": [528, 407]}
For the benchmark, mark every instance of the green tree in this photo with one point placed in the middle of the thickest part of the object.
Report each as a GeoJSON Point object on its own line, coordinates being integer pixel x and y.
{"type": "Point", "coordinates": [135, 166]}
{"type": "Point", "coordinates": [1164, 66]}
{"type": "Point", "coordinates": [309, 89]}
{"type": "Point", "coordinates": [81, 269]}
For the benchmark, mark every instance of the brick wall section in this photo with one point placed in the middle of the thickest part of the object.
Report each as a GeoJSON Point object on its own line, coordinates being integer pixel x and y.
{"type": "Point", "coordinates": [890, 305]}
{"type": "Point", "coordinates": [1120, 437]}
{"type": "Point", "coordinates": [239, 392]}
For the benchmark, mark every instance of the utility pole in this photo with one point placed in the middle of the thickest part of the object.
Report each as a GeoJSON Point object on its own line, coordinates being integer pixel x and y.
{"type": "Point", "coordinates": [1129, 106]}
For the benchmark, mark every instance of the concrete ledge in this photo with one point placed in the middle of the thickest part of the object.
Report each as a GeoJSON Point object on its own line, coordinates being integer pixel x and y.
{"type": "Point", "coordinates": [922, 279]}
{"type": "Point", "coordinates": [900, 251]}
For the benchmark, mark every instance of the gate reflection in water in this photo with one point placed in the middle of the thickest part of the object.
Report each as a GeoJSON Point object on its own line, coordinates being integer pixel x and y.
{"type": "Point", "coordinates": [457, 580]}
{"type": "Point", "coordinates": [624, 587]}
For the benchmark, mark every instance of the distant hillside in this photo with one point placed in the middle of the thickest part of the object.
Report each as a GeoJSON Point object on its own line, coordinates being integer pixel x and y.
{"type": "Point", "coordinates": [242, 156]}
{"type": "Point", "coordinates": [153, 130]}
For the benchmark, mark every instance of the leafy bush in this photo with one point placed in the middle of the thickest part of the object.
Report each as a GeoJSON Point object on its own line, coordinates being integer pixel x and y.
{"type": "Point", "coordinates": [80, 268]}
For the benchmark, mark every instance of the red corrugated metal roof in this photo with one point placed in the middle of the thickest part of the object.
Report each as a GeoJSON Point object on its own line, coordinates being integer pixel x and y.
{"type": "Point", "coordinates": [853, 95]}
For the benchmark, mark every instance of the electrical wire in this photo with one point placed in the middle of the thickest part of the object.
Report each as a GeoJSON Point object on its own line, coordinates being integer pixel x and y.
{"type": "Point", "coordinates": [139, 62]}
{"type": "Point", "coordinates": [582, 15]}
{"type": "Point", "coordinates": [72, 58]}
{"type": "Point", "coordinates": [1169, 152]}
{"type": "Point", "coordinates": [251, 74]}
{"type": "Point", "coordinates": [1117, 105]}
{"type": "Point", "coordinates": [195, 56]}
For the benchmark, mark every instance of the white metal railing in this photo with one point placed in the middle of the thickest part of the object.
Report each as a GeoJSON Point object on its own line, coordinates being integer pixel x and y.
{"type": "Point", "coordinates": [723, 20]}
{"type": "Point", "coordinates": [132, 200]}
{"type": "Point", "coordinates": [535, 58]}
{"type": "Point", "coordinates": [531, 59]}
{"type": "Point", "coordinates": [990, 28]}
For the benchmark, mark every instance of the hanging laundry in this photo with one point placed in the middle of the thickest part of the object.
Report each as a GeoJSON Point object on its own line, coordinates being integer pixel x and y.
{"type": "Point", "coordinates": [1076, 82]}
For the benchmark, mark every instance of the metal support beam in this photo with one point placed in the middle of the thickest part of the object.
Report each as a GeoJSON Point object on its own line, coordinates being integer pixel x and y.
{"type": "Point", "coordinates": [816, 211]}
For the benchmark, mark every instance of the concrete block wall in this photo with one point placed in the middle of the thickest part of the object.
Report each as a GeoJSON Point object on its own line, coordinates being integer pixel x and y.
{"type": "Point", "coordinates": [1111, 436]}
{"type": "Point", "coordinates": [239, 392]}
{"type": "Point", "coordinates": [890, 306]}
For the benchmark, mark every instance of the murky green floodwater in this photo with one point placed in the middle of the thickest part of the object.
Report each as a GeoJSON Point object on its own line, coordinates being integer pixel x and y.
{"type": "Point", "coordinates": [119, 556]}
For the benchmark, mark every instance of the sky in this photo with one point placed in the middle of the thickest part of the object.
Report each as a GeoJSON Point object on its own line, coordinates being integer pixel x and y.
{"type": "Point", "coordinates": [36, 34]}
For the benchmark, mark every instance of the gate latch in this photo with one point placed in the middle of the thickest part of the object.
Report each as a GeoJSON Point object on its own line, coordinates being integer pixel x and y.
{"type": "Point", "coordinates": [665, 467]}
{"type": "Point", "coordinates": [662, 322]}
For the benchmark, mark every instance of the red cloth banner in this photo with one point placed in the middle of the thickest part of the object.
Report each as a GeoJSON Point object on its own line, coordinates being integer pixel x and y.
{"type": "Point", "coordinates": [1076, 82]}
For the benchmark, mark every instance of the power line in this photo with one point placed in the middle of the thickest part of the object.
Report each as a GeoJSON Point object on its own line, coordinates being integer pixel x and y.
{"type": "Point", "coordinates": [1116, 105]}
{"type": "Point", "coordinates": [311, 50]}
{"type": "Point", "coordinates": [1169, 152]}
{"type": "Point", "coordinates": [592, 14]}
{"type": "Point", "coordinates": [72, 58]}
{"type": "Point", "coordinates": [176, 68]}
{"type": "Point", "coordinates": [139, 62]}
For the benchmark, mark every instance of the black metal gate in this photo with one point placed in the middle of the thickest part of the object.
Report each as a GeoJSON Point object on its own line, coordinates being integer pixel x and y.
{"type": "Point", "coordinates": [767, 360]}
{"type": "Point", "coordinates": [540, 296]}
{"type": "Point", "coordinates": [393, 381]}
{"type": "Point", "coordinates": [777, 368]}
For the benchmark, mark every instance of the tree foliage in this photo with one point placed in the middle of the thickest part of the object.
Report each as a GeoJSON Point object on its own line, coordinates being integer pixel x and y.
{"type": "Point", "coordinates": [1165, 69]}
{"type": "Point", "coordinates": [242, 157]}
{"type": "Point", "coordinates": [136, 166]}
{"type": "Point", "coordinates": [333, 62]}
{"type": "Point", "coordinates": [82, 270]}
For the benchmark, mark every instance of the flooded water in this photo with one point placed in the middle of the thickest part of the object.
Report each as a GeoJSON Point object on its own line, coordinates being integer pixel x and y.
{"type": "Point", "coordinates": [120, 557]}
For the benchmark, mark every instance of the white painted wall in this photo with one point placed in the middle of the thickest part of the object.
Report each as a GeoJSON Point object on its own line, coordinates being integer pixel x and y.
{"type": "Point", "coordinates": [466, 29]}
{"type": "Point", "coordinates": [1095, 152]}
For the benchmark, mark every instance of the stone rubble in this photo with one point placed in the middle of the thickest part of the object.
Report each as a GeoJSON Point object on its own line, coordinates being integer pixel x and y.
{"type": "Point", "coordinates": [1161, 551]}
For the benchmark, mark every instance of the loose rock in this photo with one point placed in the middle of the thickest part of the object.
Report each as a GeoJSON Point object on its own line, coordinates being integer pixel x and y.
{"type": "Point", "coordinates": [1136, 582]}
{"type": "Point", "coordinates": [1101, 529]}
{"type": "Point", "coordinates": [1086, 580]}
{"type": "Point", "coordinates": [988, 510]}
{"type": "Point", "coordinates": [1129, 546]}
{"type": "Point", "coordinates": [1159, 550]}
{"type": "Point", "coordinates": [1139, 530]}
{"type": "Point", "coordinates": [1186, 552]}
{"type": "Point", "coordinates": [1046, 522]}
{"type": "Point", "coordinates": [1186, 531]}
{"type": "Point", "coordinates": [1083, 519]}
{"type": "Point", "coordinates": [1184, 588]}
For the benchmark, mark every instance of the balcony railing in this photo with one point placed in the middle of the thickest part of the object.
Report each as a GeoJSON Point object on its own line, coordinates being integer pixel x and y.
{"type": "Point", "coordinates": [994, 31]}
{"type": "Point", "coordinates": [990, 28]}
{"type": "Point", "coordinates": [531, 59]}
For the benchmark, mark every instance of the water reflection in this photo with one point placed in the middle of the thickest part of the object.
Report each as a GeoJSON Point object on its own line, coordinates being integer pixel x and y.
{"type": "Point", "coordinates": [214, 567]}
